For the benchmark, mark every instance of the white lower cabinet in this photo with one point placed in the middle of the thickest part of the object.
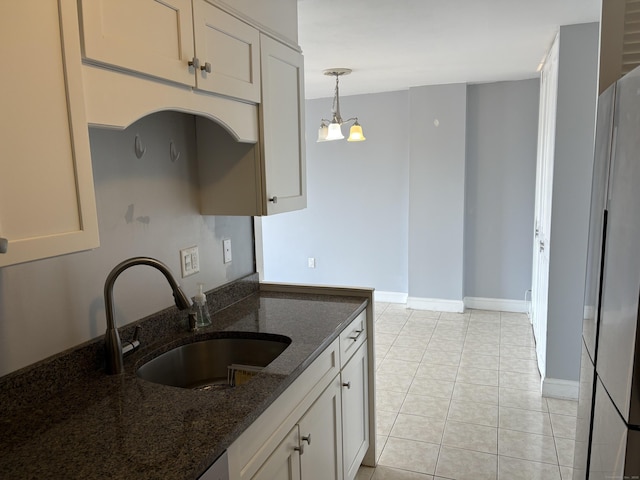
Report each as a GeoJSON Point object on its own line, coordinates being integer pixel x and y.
{"type": "Point", "coordinates": [319, 428]}
{"type": "Point", "coordinates": [266, 445]}
{"type": "Point", "coordinates": [313, 448]}
{"type": "Point", "coordinates": [321, 437]}
{"type": "Point", "coordinates": [355, 411]}
{"type": "Point", "coordinates": [284, 462]}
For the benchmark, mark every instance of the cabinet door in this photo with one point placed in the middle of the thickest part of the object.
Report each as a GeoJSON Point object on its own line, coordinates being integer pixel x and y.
{"type": "Point", "coordinates": [230, 49]}
{"type": "Point", "coordinates": [321, 436]}
{"type": "Point", "coordinates": [148, 36]}
{"type": "Point", "coordinates": [282, 127]}
{"type": "Point", "coordinates": [355, 412]}
{"type": "Point", "coordinates": [47, 201]}
{"type": "Point", "coordinates": [284, 462]}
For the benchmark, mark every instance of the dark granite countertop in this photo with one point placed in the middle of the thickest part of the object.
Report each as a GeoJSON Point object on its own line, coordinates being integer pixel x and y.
{"type": "Point", "coordinates": [116, 427]}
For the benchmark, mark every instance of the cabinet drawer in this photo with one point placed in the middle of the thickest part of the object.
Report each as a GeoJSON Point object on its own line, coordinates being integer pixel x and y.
{"type": "Point", "coordinates": [352, 337]}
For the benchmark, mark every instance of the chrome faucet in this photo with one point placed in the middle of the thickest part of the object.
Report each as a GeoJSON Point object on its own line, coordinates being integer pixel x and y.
{"type": "Point", "coordinates": [113, 348]}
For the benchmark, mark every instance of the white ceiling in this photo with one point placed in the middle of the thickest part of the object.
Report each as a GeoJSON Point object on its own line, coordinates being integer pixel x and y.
{"type": "Point", "coordinates": [394, 45]}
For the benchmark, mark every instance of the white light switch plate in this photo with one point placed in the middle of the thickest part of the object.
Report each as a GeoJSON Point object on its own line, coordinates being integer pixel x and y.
{"type": "Point", "coordinates": [311, 262]}
{"type": "Point", "coordinates": [226, 247]}
{"type": "Point", "coordinates": [189, 261]}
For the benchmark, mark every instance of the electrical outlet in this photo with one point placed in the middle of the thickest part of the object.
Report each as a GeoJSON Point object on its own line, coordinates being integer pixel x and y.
{"type": "Point", "coordinates": [311, 262]}
{"type": "Point", "coordinates": [189, 261]}
{"type": "Point", "coordinates": [226, 248]}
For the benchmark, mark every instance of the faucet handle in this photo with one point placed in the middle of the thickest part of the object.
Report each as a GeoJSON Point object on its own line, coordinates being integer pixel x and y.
{"type": "Point", "coordinates": [193, 325]}
{"type": "Point", "coordinates": [134, 343]}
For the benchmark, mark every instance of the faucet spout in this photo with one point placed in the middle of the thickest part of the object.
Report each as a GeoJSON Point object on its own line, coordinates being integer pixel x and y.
{"type": "Point", "coordinates": [113, 346]}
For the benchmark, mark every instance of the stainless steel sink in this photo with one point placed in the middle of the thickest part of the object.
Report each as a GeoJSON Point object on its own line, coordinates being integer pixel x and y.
{"type": "Point", "coordinates": [207, 364]}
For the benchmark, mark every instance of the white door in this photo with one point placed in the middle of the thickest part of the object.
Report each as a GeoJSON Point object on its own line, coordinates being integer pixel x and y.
{"type": "Point", "coordinates": [543, 203]}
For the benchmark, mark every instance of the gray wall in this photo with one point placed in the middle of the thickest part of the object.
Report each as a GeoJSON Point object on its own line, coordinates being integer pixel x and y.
{"type": "Point", "coordinates": [145, 207]}
{"type": "Point", "coordinates": [436, 186]}
{"type": "Point", "coordinates": [502, 121]}
{"type": "Point", "coordinates": [355, 225]}
{"type": "Point", "coordinates": [374, 221]}
{"type": "Point", "coordinates": [573, 164]}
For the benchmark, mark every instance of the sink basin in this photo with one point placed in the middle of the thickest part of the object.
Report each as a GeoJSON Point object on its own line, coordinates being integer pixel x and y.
{"type": "Point", "coordinates": [214, 363]}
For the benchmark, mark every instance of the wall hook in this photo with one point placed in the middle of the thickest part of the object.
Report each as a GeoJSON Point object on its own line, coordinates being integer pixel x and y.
{"type": "Point", "coordinates": [173, 152]}
{"type": "Point", "coordinates": [139, 149]}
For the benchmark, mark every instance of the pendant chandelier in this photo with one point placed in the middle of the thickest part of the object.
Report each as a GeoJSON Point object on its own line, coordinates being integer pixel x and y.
{"type": "Point", "coordinates": [331, 129]}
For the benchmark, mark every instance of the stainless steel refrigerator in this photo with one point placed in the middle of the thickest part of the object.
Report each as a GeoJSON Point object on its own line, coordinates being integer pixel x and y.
{"type": "Point", "coordinates": [608, 428]}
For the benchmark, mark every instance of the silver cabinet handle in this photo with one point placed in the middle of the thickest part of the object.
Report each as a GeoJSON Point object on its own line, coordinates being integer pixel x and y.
{"type": "Point", "coordinates": [206, 67]}
{"type": "Point", "coordinates": [347, 384]}
{"type": "Point", "coordinates": [194, 62]}
{"type": "Point", "coordinates": [274, 199]}
{"type": "Point", "coordinates": [358, 333]}
{"type": "Point", "coordinates": [307, 439]}
{"type": "Point", "coordinates": [4, 245]}
{"type": "Point", "coordinates": [300, 449]}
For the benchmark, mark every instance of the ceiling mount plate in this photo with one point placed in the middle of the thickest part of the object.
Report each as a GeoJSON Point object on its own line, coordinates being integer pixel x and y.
{"type": "Point", "coordinates": [336, 72]}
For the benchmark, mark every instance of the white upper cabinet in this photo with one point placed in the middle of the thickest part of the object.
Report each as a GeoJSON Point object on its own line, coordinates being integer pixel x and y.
{"type": "Point", "coordinates": [228, 51]}
{"type": "Point", "coordinates": [269, 177]}
{"type": "Point", "coordinates": [282, 127]}
{"type": "Point", "coordinates": [146, 36]}
{"type": "Point", "coordinates": [190, 42]}
{"type": "Point", "coordinates": [47, 202]}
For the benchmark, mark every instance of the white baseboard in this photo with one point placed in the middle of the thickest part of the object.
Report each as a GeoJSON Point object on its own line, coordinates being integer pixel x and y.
{"type": "Point", "coordinates": [564, 389]}
{"type": "Point", "coordinates": [437, 304]}
{"type": "Point", "coordinates": [497, 304]}
{"type": "Point", "coordinates": [389, 297]}
{"type": "Point", "coordinates": [445, 305]}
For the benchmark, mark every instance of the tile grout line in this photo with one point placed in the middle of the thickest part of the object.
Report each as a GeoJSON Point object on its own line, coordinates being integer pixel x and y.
{"type": "Point", "coordinates": [446, 418]}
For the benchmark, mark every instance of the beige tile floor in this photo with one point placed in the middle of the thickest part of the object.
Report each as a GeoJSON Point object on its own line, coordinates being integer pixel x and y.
{"type": "Point", "coordinates": [458, 398]}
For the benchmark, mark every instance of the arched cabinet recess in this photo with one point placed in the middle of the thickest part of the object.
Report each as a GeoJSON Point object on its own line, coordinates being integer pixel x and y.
{"type": "Point", "coordinates": [206, 58]}
{"type": "Point", "coordinates": [110, 63]}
